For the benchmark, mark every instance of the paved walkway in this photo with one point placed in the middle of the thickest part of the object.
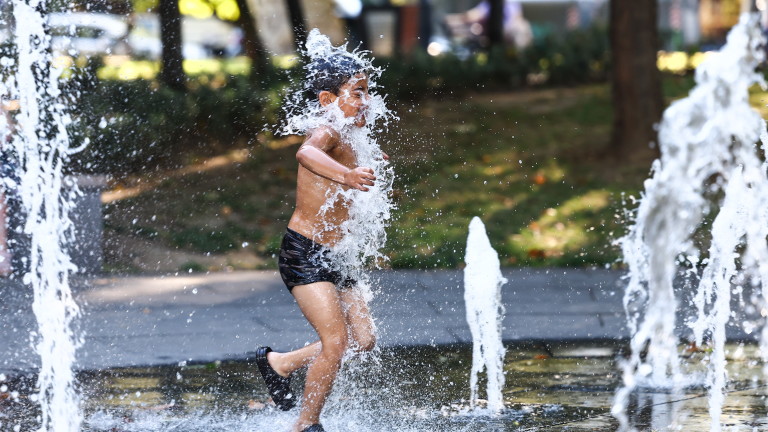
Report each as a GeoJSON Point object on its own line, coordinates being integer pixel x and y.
{"type": "Point", "coordinates": [146, 320]}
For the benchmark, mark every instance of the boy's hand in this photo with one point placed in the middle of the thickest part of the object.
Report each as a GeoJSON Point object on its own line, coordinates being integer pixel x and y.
{"type": "Point", "coordinates": [359, 178]}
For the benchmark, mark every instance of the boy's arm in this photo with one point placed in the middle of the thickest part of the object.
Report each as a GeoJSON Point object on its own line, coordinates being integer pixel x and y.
{"type": "Point", "coordinates": [313, 156]}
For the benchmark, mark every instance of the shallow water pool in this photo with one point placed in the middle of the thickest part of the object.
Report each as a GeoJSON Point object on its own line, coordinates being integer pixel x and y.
{"type": "Point", "coordinates": [554, 386]}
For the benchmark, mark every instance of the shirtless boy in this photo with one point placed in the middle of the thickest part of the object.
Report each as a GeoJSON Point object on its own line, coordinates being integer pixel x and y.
{"type": "Point", "coordinates": [332, 303]}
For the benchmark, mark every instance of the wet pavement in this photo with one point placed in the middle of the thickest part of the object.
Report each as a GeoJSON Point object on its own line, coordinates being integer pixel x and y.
{"type": "Point", "coordinates": [147, 320]}
{"type": "Point", "coordinates": [173, 353]}
{"type": "Point", "coordinates": [154, 320]}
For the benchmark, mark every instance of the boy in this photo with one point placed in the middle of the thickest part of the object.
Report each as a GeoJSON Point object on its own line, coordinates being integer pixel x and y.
{"type": "Point", "coordinates": [330, 300]}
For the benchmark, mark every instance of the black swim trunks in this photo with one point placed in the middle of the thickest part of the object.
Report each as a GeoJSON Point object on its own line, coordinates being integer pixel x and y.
{"type": "Point", "coordinates": [303, 261]}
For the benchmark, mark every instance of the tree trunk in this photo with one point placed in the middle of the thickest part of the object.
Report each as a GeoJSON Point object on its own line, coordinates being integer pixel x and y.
{"type": "Point", "coordinates": [636, 80]}
{"type": "Point", "coordinates": [172, 71]}
{"type": "Point", "coordinates": [496, 23]}
{"type": "Point", "coordinates": [297, 23]}
{"type": "Point", "coordinates": [252, 45]}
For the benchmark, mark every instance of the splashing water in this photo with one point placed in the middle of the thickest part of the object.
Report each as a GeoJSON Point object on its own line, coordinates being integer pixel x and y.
{"type": "Point", "coordinates": [368, 212]}
{"type": "Point", "coordinates": [41, 145]}
{"type": "Point", "coordinates": [482, 296]}
{"type": "Point", "coordinates": [708, 150]}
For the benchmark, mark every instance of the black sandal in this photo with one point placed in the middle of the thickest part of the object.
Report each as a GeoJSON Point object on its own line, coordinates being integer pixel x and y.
{"type": "Point", "coordinates": [317, 427]}
{"type": "Point", "coordinates": [279, 386]}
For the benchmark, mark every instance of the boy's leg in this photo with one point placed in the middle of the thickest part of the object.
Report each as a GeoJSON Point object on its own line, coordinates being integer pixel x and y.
{"type": "Point", "coordinates": [321, 305]}
{"type": "Point", "coordinates": [359, 320]}
{"type": "Point", "coordinates": [361, 330]}
{"type": "Point", "coordinates": [285, 363]}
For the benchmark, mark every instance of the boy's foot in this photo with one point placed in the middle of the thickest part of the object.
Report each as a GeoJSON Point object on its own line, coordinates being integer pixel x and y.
{"type": "Point", "coordinates": [317, 427]}
{"type": "Point", "coordinates": [279, 386]}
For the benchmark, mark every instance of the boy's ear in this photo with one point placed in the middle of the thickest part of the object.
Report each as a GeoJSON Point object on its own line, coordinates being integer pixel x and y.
{"type": "Point", "coordinates": [325, 97]}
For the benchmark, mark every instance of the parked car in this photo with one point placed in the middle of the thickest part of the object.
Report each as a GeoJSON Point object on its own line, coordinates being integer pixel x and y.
{"type": "Point", "coordinates": [84, 33]}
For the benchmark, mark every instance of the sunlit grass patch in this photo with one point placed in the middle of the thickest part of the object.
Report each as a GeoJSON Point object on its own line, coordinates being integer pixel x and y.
{"type": "Point", "coordinates": [562, 229]}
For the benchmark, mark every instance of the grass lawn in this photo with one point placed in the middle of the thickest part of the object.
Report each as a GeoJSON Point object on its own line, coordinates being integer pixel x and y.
{"type": "Point", "coordinates": [529, 164]}
{"type": "Point", "coordinates": [524, 163]}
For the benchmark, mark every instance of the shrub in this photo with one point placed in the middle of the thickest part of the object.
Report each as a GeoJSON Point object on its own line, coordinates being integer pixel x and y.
{"type": "Point", "coordinates": [135, 126]}
{"type": "Point", "coordinates": [140, 125]}
{"type": "Point", "coordinates": [578, 57]}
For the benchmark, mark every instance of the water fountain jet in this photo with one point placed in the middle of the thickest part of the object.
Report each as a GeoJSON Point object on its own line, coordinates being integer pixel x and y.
{"type": "Point", "coordinates": [482, 297]}
{"type": "Point", "coordinates": [42, 147]}
{"type": "Point", "coordinates": [707, 142]}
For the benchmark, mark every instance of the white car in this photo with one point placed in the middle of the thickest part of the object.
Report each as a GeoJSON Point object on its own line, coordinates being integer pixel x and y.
{"type": "Point", "coordinates": [81, 33]}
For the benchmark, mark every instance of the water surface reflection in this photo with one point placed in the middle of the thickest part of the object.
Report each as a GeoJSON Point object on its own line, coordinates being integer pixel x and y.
{"type": "Point", "coordinates": [554, 386]}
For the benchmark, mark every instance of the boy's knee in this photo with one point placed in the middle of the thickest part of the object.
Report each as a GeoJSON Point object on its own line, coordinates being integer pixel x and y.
{"type": "Point", "coordinates": [367, 343]}
{"type": "Point", "coordinates": [335, 347]}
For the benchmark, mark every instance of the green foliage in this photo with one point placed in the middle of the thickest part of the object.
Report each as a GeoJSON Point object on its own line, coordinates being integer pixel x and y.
{"type": "Point", "coordinates": [136, 126]}
{"type": "Point", "coordinates": [675, 86]}
{"type": "Point", "coordinates": [528, 164]}
{"type": "Point", "coordinates": [579, 57]}
{"type": "Point", "coordinates": [213, 240]}
{"type": "Point", "coordinates": [487, 163]}
{"type": "Point", "coordinates": [576, 58]}
{"type": "Point", "coordinates": [192, 267]}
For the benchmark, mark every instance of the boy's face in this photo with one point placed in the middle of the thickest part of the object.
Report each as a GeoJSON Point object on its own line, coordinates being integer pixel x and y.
{"type": "Point", "coordinates": [352, 98]}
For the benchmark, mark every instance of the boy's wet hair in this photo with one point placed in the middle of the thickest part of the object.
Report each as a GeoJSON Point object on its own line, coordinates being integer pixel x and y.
{"type": "Point", "coordinates": [330, 73]}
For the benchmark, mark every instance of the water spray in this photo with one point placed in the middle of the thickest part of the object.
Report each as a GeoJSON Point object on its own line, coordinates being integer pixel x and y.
{"type": "Point", "coordinates": [709, 168]}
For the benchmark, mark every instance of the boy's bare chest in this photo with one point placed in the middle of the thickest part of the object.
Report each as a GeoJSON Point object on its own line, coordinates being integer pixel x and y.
{"type": "Point", "coordinates": [345, 155]}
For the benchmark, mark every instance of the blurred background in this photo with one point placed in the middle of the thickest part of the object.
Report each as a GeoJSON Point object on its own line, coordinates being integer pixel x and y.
{"type": "Point", "coordinates": [537, 115]}
{"type": "Point", "coordinates": [222, 28]}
